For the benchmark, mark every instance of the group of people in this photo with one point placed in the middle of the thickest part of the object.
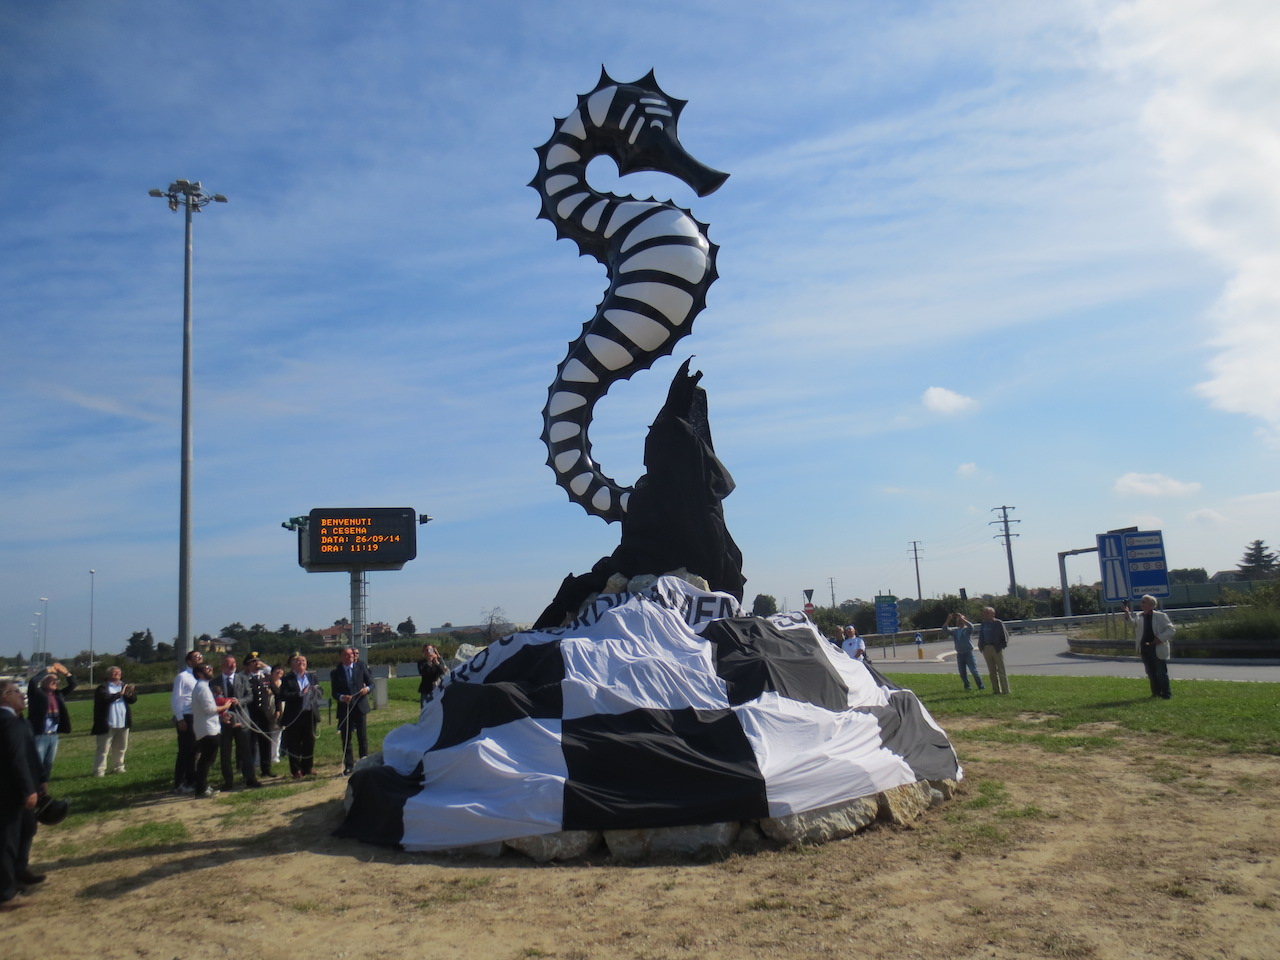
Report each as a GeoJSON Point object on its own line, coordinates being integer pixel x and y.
{"type": "Point", "coordinates": [992, 640]}
{"type": "Point", "coordinates": [1153, 633]}
{"type": "Point", "coordinates": [253, 716]}
{"type": "Point", "coordinates": [245, 718]}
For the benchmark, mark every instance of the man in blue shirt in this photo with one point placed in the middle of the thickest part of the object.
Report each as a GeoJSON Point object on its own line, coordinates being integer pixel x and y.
{"type": "Point", "coordinates": [961, 630]}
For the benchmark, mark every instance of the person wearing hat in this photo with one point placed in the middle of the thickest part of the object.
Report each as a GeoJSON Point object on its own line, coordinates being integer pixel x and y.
{"type": "Point", "coordinates": [47, 712]}
{"type": "Point", "coordinates": [22, 785]}
{"type": "Point", "coordinates": [262, 713]}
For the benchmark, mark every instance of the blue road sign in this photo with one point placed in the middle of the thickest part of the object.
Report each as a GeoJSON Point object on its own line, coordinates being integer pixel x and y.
{"type": "Point", "coordinates": [1115, 585]}
{"type": "Point", "coordinates": [1132, 564]}
{"type": "Point", "coordinates": [1144, 558]}
{"type": "Point", "coordinates": [886, 614]}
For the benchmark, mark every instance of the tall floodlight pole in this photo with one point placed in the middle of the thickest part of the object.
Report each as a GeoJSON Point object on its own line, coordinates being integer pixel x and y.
{"type": "Point", "coordinates": [188, 195]}
{"type": "Point", "coordinates": [91, 658]}
{"type": "Point", "coordinates": [44, 640]}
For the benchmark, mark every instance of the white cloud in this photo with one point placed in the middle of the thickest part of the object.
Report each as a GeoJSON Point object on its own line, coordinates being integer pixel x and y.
{"type": "Point", "coordinates": [1153, 485]}
{"type": "Point", "coordinates": [1213, 116]}
{"type": "Point", "coordinates": [1207, 516]}
{"type": "Point", "coordinates": [947, 402]}
{"type": "Point", "coordinates": [966, 470]}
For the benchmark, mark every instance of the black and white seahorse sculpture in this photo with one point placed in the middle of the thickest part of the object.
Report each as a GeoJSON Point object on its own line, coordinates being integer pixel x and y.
{"type": "Point", "coordinates": [658, 257]}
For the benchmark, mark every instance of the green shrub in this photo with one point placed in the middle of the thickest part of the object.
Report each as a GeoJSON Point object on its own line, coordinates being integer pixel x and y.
{"type": "Point", "coordinates": [1243, 623]}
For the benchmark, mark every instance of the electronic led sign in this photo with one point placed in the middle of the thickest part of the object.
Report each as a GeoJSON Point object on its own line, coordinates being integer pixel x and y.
{"type": "Point", "coordinates": [364, 538]}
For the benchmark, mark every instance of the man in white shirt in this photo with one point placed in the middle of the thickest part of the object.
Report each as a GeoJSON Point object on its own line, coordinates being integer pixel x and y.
{"type": "Point", "coordinates": [853, 644]}
{"type": "Point", "coordinates": [184, 767]}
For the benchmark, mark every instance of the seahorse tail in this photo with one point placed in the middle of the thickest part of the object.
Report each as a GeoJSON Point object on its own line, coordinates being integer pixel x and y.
{"type": "Point", "coordinates": [664, 265]}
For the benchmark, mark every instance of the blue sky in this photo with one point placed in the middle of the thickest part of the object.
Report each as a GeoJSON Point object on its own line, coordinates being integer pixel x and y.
{"type": "Point", "coordinates": [973, 254]}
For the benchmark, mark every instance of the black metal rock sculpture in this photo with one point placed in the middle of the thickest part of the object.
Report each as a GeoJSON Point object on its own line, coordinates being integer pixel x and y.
{"type": "Point", "coordinates": [660, 265]}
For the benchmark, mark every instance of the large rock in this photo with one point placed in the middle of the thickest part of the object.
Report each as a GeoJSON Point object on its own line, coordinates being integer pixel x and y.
{"type": "Point", "coordinates": [711, 839]}
{"type": "Point", "coordinates": [824, 824]}
{"type": "Point", "coordinates": [565, 845]}
{"type": "Point", "coordinates": [906, 803]}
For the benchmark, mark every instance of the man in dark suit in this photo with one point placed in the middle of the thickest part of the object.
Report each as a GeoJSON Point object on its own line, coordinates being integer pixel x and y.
{"type": "Point", "coordinates": [350, 684]}
{"type": "Point", "coordinates": [21, 786]}
{"type": "Point", "coordinates": [235, 685]}
{"type": "Point", "coordinates": [300, 695]}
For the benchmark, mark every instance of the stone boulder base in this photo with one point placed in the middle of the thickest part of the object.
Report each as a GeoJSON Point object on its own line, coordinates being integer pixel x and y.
{"type": "Point", "coordinates": [565, 845]}
{"type": "Point", "coordinates": [900, 805]}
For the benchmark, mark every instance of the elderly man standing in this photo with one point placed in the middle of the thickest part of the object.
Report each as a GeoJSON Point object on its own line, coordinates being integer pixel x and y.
{"type": "Point", "coordinates": [992, 639]}
{"type": "Point", "coordinates": [960, 630]}
{"type": "Point", "coordinates": [21, 786]}
{"type": "Point", "coordinates": [112, 718]}
{"type": "Point", "coordinates": [1153, 631]}
{"type": "Point", "coordinates": [47, 712]}
{"type": "Point", "coordinates": [349, 684]}
{"type": "Point", "coordinates": [300, 695]}
{"type": "Point", "coordinates": [235, 738]}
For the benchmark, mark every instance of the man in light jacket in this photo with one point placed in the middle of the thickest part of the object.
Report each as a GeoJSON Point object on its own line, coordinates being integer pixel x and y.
{"type": "Point", "coordinates": [1152, 631]}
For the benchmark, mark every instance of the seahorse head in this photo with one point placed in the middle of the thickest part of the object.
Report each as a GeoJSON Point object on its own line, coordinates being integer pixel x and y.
{"type": "Point", "coordinates": [637, 126]}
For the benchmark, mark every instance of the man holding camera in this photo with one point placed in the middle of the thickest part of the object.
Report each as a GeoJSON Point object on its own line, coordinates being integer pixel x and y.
{"type": "Point", "coordinates": [112, 718]}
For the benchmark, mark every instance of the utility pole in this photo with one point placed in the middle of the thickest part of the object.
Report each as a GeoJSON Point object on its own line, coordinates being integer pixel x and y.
{"type": "Point", "coordinates": [832, 582]}
{"type": "Point", "coordinates": [1008, 543]}
{"type": "Point", "coordinates": [915, 555]}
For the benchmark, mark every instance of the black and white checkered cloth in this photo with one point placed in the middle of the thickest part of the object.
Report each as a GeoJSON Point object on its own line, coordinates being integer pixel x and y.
{"type": "Point", "coordinates": [659, 709]}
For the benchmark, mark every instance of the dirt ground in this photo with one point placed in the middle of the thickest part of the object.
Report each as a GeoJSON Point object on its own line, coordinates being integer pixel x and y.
{"type": "Point", "coordinates": [1122, 852]}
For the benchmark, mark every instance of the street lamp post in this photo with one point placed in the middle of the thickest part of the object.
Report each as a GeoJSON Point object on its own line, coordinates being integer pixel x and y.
{"type": "Point", "coordinates": [44, 640]}
{"type": "Point", "coordinates": [186, 194]}
{"type": "Point", "coordinates": [91, 657]}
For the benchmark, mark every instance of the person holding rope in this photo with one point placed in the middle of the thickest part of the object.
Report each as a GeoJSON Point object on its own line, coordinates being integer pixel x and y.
{"type": "Point", "coordinates": [236, 744]}
{"type": "Point", "coordinates": [350, 683]}
{"type": "Point", "coordinates": [262, 715]}
{"type": "Point", "coordinates": [300, 695]}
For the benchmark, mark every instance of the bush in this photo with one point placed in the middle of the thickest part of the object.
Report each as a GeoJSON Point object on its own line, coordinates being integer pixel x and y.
{"type": "Point", "coordinates": [1244, 623]}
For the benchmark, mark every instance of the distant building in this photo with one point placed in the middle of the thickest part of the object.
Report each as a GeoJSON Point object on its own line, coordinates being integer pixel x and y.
{"type": "Point", "coordinates": [1225, 576]}
{"type": "Point", "coordinates": [215, 645]}
{"type": "Point", "coordinates": [335, 636]}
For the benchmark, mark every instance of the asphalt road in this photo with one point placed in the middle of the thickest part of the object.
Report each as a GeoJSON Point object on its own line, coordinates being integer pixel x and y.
{"type": "Point", "coordinates": [1046, 654]}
